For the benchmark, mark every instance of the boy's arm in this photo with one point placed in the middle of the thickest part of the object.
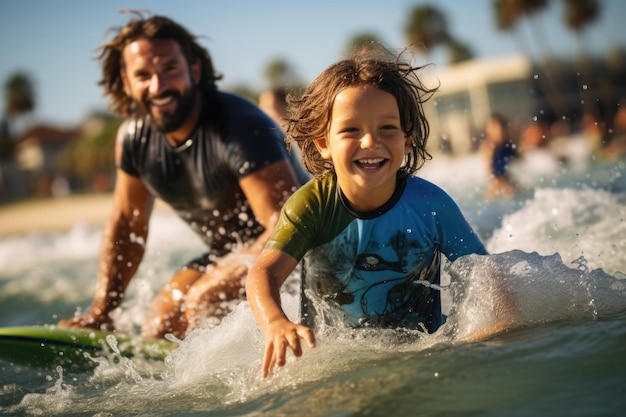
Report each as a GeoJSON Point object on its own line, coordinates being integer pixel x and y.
{"type": "Point", "coordinates": [505, 312]}
{"type": "Point", "coordinates": [263, 284]}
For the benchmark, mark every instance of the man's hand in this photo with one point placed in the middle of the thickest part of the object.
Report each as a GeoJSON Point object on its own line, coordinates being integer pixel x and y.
{"type": "Point", "coordinates": [94, 318]}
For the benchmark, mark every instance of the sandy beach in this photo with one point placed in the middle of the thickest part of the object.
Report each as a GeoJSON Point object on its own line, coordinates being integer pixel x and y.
{"type": "Point", "coordinates": [56, 214]}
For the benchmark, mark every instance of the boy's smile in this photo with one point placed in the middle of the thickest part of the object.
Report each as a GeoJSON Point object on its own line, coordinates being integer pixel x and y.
{"type": "Point", "coordinates": [366, 144]}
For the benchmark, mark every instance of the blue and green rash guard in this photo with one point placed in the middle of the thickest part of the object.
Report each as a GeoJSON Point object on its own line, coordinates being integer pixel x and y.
{"type": "Point", "coordinates": [380, 268]}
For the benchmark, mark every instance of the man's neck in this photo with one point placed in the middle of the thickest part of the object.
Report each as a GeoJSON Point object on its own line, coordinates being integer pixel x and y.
{"type": "Point", "coordinates": [183, 133]}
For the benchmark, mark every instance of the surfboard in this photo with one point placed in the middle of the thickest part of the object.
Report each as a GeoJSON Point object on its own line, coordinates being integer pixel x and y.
{"type": "Point", "coordinates": [74, 349]}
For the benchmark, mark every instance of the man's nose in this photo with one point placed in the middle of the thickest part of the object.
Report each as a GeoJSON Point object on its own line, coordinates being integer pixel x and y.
{"type": "Point", "coordinates": [156, 85]}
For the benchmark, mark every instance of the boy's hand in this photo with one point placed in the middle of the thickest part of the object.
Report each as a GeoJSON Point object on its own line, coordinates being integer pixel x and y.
{"type": "Point", "coordinates": [280, 334]}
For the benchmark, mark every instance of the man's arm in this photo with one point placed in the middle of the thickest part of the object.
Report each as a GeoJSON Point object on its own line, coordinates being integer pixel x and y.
{"type": "Point", "coordinates": [122, 249]}
{"type": "Point", "coordinates": [267, 190]}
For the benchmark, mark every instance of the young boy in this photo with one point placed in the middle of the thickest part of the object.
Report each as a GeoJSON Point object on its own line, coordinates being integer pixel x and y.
{"type": "Point", "coordinates": [370, 232]}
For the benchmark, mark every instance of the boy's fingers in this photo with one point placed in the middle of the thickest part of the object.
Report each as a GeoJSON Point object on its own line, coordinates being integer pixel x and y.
{"type": "Point", "coordinates": [268, 360]}
{"type": "Point", "coordinates": [294, 344]}
{"type": "Point", "coordinates": [307, 335]}
{"type": "Point", "coordinates": [276, 351]}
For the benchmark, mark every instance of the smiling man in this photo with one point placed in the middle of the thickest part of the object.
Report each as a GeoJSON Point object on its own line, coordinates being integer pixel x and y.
{"type": "Point", "coordinates": [214, 157]}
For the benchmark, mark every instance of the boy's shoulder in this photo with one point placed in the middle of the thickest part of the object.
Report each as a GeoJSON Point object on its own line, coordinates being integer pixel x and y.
{"type": "Point", "coordinates": [315, 191]}
{"type": "Point", "coordinates": [417, 184]}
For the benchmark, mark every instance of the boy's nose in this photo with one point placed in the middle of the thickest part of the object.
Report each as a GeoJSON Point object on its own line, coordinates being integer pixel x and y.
{"type": "Point", "coordinates": [369, 140]}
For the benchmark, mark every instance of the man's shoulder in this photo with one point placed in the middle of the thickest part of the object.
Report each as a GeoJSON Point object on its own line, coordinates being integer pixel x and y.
{"type": "Point", "coordinates": [134, 128]}
{"type": "Point", "coordinates": [231, 101]}
{"type": "Point", "coordinates": [241, 112]}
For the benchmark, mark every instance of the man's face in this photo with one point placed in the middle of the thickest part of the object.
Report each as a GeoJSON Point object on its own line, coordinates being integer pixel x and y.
{"type": "Point", "coordinates": [158, 78]}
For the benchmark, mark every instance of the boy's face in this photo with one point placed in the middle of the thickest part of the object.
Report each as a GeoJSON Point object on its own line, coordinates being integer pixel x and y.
{"type": "Point", "coordinates": [366, 144]}
{"type": "Point", "coordinates": [157, 77]}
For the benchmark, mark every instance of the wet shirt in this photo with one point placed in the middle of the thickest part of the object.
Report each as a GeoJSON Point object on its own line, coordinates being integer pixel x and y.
{"type": "Point", "coordinates": [379, 268]}
{"type": "Point", "coordinates": [199, 179]}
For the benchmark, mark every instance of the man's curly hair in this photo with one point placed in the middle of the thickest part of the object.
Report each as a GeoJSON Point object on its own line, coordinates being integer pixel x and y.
{"type": "Point", "coordinates": [150, 28]}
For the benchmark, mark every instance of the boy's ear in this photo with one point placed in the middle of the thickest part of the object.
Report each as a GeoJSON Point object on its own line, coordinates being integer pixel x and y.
{"type": "Point", "coordinates": [322, 147]}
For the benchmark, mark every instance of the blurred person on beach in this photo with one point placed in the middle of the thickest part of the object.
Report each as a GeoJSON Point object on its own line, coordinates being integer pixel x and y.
{"type": "Point", "coordinates": [615, 149]}
{"type": "Point", "coordinates": [606, 141]}
{"type": "Point", "coordinates": [370, 234]}
{"type": "Point", "coordinates": [498, 150]}
{"type": "Point", "coordinates": [214, 157]}
{"type": "Point", "coordinates": [594, 132]}
{"type": "Point", "coordinates": [274, 103]}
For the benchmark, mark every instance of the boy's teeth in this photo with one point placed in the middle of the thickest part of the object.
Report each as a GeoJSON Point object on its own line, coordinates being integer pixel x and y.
{"type": "Point", "coordinates": [371, 161]}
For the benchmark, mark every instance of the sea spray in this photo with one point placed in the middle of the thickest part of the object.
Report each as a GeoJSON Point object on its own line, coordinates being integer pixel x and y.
{"type": "Point", "coordinates": [570, 222]}
{"type": "Point", "coordinates": [543, 290]}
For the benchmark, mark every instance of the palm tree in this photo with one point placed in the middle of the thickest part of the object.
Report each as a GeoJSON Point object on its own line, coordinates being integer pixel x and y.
{"type": "Point", "coordinates": [360, 40]}
{"type": "Point", "coordinates": [507, 14]}
{"type": "Point", "coordinates": [19, 96]}
{"type": "Point", "coordinates": [92, 154]}
{"type": "Point", "coordinates": [426, 28]}
{"type": "Point", "coordinates": [280, 73]}
{"type": "Point", "coordinates": [578, 14]}
{"type": "Point", "coordinates": [458, 51]}
{"type": "Point", "coordinates": [6, 146]}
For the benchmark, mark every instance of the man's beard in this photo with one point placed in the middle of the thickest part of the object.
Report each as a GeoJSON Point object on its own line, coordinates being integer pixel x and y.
{"type": "Point", "coordinates": [169, 122]}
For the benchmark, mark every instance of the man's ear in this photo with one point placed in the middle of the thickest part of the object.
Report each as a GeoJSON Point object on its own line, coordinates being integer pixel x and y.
{"type": "Point", "coordinates": [196, 71]}
{"type": "Point", "coordinates": [322, 146]}
{"type": "Point", "coordinates": [125, 83]}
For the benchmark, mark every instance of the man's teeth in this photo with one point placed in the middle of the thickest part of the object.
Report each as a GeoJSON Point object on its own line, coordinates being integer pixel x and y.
{"type": "Point", "coordinates": [161, 101]}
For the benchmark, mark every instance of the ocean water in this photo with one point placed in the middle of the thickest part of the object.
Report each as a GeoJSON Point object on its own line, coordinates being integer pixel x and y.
{"type": "Point", "coordinates": [558, 248]}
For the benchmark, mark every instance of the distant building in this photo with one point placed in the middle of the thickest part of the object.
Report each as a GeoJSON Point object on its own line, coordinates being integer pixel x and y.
{"type": "Point", "coordinates": [38, 148]}
{"type": "Point", "coordinates": [522, 91]}
{"type": "Point", "coordinates": [33, 169]}
{"type": "Point", "coordinates": [471, 90]}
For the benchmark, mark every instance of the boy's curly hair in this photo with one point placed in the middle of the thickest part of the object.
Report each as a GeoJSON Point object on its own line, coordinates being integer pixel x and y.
{"type": "Point", "coordinates": [309, 115]}
{"type": "Point", "coordinates": [153, 27]}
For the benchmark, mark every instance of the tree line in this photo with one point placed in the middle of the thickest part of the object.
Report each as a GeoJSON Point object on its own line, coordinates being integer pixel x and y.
{"type": "Point", "coordinates": [426, 29]}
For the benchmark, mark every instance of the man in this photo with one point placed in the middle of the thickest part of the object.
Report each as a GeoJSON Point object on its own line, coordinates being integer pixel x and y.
{"type": "Point", "coordinates": [215, 158]}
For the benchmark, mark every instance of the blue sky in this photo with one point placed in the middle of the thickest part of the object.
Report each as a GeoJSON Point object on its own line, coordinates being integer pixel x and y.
{"type": "Point", "coordinates": [54, 40]}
